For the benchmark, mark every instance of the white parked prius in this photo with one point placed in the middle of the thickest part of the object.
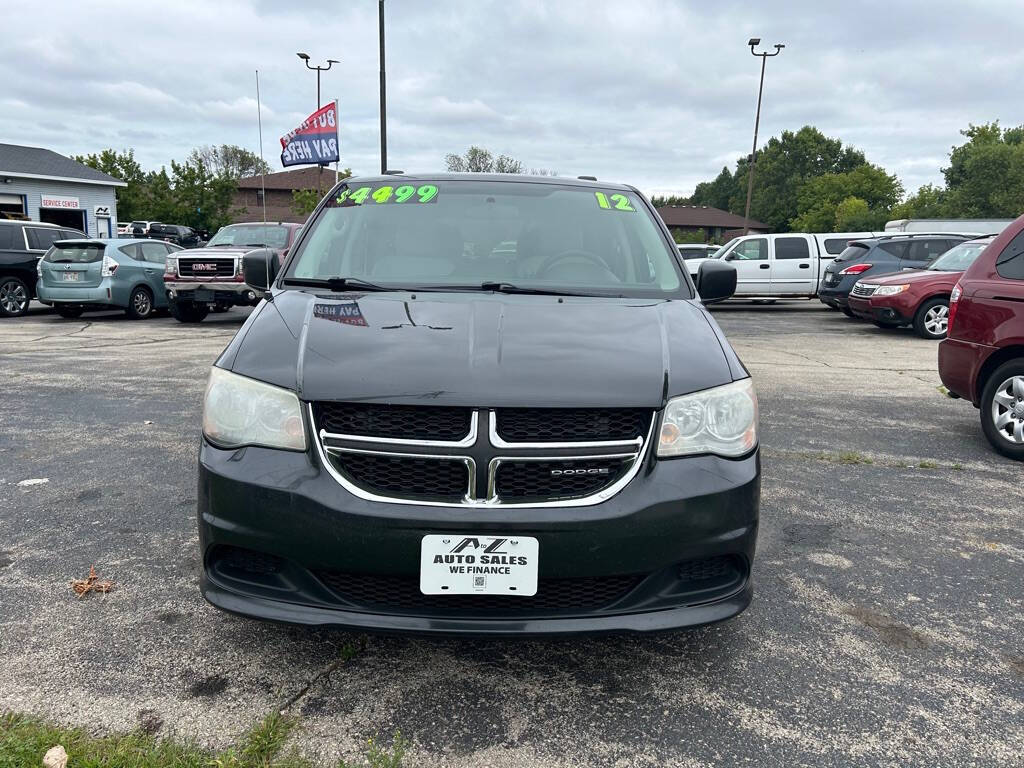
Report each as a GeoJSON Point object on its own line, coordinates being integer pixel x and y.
{"type": "Point", "coordinates": [789, 265]}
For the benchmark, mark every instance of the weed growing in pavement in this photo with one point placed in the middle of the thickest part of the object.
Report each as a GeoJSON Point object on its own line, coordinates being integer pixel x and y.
{"type": "Point", "coordinates": [25, 739]}
{"type": "Point", "coordinates": [928, 464]}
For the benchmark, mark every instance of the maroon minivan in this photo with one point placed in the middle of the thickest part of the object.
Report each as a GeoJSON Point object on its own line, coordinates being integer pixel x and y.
{"type": "Point", "coordinates": [982, 359]}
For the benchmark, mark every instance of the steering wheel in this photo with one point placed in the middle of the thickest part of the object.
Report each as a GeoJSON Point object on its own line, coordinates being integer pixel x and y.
{"type": "Point", "coordinates": [551, 261]}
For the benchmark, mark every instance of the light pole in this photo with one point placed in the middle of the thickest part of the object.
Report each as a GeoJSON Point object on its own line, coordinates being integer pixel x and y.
{"type": "Point", "coordinates": [383, 94]}
{"type": "Point", "coordinates": [330, 62]}
{"type": "Point", "coordinates": [753, 43]}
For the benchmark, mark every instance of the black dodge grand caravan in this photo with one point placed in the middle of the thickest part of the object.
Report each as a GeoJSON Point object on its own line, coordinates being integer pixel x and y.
{"type": "Point", "coordinates": [481, 404]}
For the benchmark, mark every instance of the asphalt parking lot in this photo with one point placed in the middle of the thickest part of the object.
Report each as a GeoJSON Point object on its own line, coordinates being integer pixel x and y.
{"type": "Point", "coordinates": [887, 626]}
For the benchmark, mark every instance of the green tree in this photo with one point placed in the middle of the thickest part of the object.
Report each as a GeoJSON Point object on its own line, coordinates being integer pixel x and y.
{"type": "Point", "coordinates": [480, 160]}
{"type": "Point", "coordinates": [305, 200]}
{"type": "Point", "coordinates": [202, 199]}
{"type": "Point", "coordinates": [719, 192]}
{"type": "Point", "coordinates": [783, 166]}
{"type": "Point", "coordinates": [123, 166]}
{"type": "Point", "coordinates": [928, 203]}
{"type": "Point", "coordinates": [819, 198]}
{"type": "Point", "coordinates": [682, 236]}
{"type": "Point", "coordinates": [659, 201]}
{"type": "Point", "coordinates": [229, 160]}
{"type": "Point", "coordinates": [985, 176]}
{"type": "Point", "coordinates": [158, 203]}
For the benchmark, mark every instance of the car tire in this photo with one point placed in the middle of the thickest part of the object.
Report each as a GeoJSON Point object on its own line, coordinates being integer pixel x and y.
{"type": "Point", "coordinates": [14, 297]}
{"type": "Point", "coordinates": [848, 312]}
{"type": "Point", "coordinates": [69, 312]}
{"type": "Point", "coordinates": [140, 304]}
{"type": "Point", "coordinates": [1002, 400]}
{"type": "Point", "coordinates": [189, 311]}
{"type": "Point", "coordinates": [932, 318]}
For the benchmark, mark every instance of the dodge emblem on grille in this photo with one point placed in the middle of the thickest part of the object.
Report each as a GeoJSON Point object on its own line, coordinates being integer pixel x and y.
{"type": "Point", "coordinates": [590, 471]}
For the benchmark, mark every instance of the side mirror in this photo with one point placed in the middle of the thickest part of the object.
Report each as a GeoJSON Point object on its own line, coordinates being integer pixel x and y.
{"type": "Point", "coordinates": [259, 268]}
{"type": "Point", "coordinates": [716, 281]}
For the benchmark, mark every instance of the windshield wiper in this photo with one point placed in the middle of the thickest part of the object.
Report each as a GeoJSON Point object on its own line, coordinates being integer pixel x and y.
{"type": "Point", "coordinates": [503, 287]}
{"type": "Point", "coordinates": [339, 284]}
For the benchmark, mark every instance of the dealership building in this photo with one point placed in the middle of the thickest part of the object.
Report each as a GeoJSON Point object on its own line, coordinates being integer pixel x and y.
{"type": "Point", "coordinates": [40, 185]}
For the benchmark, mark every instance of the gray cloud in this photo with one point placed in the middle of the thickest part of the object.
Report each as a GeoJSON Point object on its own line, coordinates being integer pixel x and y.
{"type": "Point", "coordinates": [660, 94]}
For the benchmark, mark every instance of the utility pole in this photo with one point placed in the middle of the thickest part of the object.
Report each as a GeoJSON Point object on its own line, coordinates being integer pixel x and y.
{"type": "Point", "coordinates": [383, 93]}
{"type": "Point", "coordinates": [753, 42]}
{"type": "Point", "coordinates": [305, 58]}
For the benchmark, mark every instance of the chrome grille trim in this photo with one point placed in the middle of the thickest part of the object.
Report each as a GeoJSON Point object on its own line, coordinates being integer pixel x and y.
{"type": "Point", "coordinates": [638, 449]}
{"type": "Point", "coordinates": [863, 290]}
{"type": "Point", "coordinates": [498, 442]}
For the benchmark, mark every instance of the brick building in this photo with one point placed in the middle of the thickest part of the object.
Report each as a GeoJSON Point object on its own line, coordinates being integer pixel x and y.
{"type": "Point", "coordinates": [248, 202]}
{"type": "Point", "coordinates": [717, 225]}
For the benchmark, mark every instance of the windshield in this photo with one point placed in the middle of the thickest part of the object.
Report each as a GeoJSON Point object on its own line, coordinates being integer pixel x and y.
{"type": "Point", "coordinates": [464, 233]}
{"type": "Point", "coordinates": [259, 235]}
{"type": "Point", "coordinates": [958, 258]}
{"type": "Point", "coordinates": [74, 254]}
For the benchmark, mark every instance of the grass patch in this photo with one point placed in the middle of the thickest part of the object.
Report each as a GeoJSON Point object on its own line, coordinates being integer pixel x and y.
{"type": "Point", "coordinates": [958, 466]}
{"type": "Point", "coordinates": [928, 464]}
{"type": "Point", "coordinates": [24, 740]}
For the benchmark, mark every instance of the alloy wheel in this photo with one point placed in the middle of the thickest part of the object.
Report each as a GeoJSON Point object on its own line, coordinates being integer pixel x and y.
{"type": "Point", "coordinates": [1008, 410]}
{"type": "Point", "coordinates": [141, 303]}
{"type": "Point", "coordinates": [13, 298]}
{"type": "Point", "coordinates": [936, 320]}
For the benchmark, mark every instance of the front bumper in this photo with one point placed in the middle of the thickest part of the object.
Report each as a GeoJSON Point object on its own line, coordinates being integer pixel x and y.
{"type": "Point", "coordinates": [881, 310]}
{"type": "Point", "coordinates": [210, 291]}
{"type": "Point", "coordinates": [835, 296]}
{"type": "Point", "coordinates": [282, 508]}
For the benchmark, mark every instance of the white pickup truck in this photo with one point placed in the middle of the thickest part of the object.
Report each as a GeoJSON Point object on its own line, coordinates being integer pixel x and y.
{"type": "Point", "coordinates": [789, 265]}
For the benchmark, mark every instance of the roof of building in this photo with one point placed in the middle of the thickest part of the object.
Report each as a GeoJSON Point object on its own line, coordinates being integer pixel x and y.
{"type": "Point", "coordinates": [299, 178]}
{"type": "Point", "coordinates": [38, 163]}
{"type": "Point", "coordinates": [704, 216]}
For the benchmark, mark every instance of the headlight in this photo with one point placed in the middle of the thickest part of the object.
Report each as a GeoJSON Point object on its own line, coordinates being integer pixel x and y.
{"type": "Point", "coordinates": [722, 421]}
{"type": "Point", "coordinates": [890, 290]}
{"type": "Point", "coordinates": [240, 411]}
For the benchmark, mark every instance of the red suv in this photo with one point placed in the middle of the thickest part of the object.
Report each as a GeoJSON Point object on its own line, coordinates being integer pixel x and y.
{"type": "Point", "coordinates": [982, 360]}
{"type": "Point", "coordinates": [917, 297]}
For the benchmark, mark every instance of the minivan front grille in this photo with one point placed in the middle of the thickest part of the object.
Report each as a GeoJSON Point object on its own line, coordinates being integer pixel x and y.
{"type": "Point", "coordinates": [196, 267]}
{"type": "Point", "coordinates": [463, 456]}
{"type": "Point", "coordinates": [399, 422]}
{"type": "Point", "coordinates": [546, 425]}
{"type": "Point", "coordinates": [401, 595]}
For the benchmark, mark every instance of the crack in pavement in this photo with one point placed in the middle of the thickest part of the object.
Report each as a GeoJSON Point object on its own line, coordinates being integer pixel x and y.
{"type": "Point", "coordinates": [348, 653]}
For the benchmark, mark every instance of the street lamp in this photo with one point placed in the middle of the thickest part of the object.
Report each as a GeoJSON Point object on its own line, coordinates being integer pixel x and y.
{"type": "Point", "coordinates": [330, 62]}
{"type": "Point", "coordinates": [305, 58]}
{"type": "Point", "coordinates": [753, 43]}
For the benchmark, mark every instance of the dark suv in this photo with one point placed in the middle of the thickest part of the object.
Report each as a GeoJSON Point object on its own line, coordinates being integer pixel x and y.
{"type": "Point", "coordinates": [22, 244]}
{"type": "Point", "coordinates": [176, 234]}
{"type": "Point", "coordinates": [982, 359]}
{"type": "Point", "coordinates": [481, 404]}
{"type": "Point", "coordinates": [875, 256]}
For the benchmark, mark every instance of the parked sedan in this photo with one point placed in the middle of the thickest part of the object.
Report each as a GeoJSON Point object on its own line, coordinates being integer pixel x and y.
{"type": "Point", "coordinates": [869, 257]}
{"type": "Point", "coordinates": [76, 275]}
{"type": "Point", "coordinates": [917, 297]}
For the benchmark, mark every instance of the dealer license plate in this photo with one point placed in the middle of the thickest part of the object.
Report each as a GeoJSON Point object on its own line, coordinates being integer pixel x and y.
{"type": "Point", "coordinates": [71, 276]}
{"type": "Point", "coordinates": [470, 564]}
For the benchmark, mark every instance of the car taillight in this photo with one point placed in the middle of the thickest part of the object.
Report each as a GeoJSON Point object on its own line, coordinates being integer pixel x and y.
{"type": "Point", "coordinates": [856, 269]}
{"type": "Point", "coordinates": [109, 267]}
{"type": "Point", "coordinates": [954, 302]}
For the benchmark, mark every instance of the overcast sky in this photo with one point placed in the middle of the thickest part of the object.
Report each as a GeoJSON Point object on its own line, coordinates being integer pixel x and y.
{"type": "Point", "coordinates": [658, 93]}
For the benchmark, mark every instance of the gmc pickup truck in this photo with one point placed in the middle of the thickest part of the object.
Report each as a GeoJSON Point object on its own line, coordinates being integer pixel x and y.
{"type": "Point", "coordinates": [211, 277]}
{"type": "Point", "coordinates": [22, 244]}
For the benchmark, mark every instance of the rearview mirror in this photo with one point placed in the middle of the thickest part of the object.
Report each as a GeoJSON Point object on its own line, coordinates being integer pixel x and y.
{"type": "Point", "coordinates": [716, 281]}
{"type": "Point", "coordinates": [259, 268]}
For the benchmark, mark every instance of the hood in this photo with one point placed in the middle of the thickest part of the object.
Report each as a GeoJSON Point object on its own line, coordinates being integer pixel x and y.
{"type": "Point", "coordinates": [221, 251]}
{"type": "Point", "coordinates": [480, 349]}
{"type": "Point", "coordinates": [914, 276]}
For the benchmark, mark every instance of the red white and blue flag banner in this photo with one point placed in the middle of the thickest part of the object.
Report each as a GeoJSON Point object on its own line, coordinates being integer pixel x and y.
{"type": "Point", "coordinates": [315, 141]}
